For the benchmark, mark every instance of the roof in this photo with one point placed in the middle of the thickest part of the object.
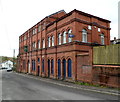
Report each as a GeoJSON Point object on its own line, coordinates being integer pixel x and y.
{"type": "Point", "coordinates": [89, 15]}
{"type": "Point", "coordinates": [43, 19]}
{"type": "Point", "coordinates": [66, 15]}
{"type": "Point", "coordinates": [80, 12]}
{"type": "Point", "coordinates": [56, 13]}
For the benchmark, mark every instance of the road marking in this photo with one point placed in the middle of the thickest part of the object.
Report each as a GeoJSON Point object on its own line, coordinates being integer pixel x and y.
{"type": "Point", "coordinates": [93, 90]}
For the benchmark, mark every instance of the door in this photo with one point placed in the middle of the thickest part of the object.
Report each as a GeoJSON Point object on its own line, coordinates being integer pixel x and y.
{"type": "Point", "coordinates": [38, 70]}
{"type": "Point", "coordinates": [29, 71]}
{"type": "Point", "coordinates": [69, 68]}
{"type": "Point", "coordinates": [48, 68]}
{"type": "Point", "coordinates": [64, 68]}
{"type": "Point", "coordinates": [59, 68]}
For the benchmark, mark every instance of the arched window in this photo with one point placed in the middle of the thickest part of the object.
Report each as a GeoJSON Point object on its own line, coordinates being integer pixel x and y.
{"type": "Point", "coordinates": [59, 39]}
{"type": "Point", "coordinates": [38, 44]}
{"type": "Point", "coordinates": [49, 41]}
{"type": "Point", "coordinates": [59, 68]}
{"type": "Point", "coordinates": [52, 40]}
{"type": "Point", "coordinates": [52, 66]}
{"type": "Point", "coordinates": [43, 42]}
{"type": "Point", "coordinates": [64, 37]}
{"type": "Point", "coordinates": [43, 65]}
{"type": "Point", "coordinates": [84, 35]}
{"type": "Point", "coordinates": [38, 60]}
{"type": "Point", "coordinates": [69, 38]}
{"type": "Point", "coordinates": [69, 68]}
{"type": "Point", "coordinates": [102, 39]}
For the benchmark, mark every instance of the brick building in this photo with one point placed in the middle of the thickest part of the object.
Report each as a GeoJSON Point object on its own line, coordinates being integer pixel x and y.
{"type": "Point", "coordinates": [60, 45]}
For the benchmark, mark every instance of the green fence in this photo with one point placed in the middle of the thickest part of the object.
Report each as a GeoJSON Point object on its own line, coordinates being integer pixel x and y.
{"type": "Point", "coordinates": [109, 54]}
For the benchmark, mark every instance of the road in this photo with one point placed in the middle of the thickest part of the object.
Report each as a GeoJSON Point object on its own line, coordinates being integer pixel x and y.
{"type": "Point", "coordinates": [19, 87]}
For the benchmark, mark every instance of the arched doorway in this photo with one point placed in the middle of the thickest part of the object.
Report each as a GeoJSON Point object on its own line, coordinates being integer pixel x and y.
{"type": "Point", "coordinates": [64, 68]}
{"type": "Point", "coordinates": [59, 68]}
{"type": "Point", "coordinates": [69, 68]}
{"type": "Point", "coordinates": [48, 68]}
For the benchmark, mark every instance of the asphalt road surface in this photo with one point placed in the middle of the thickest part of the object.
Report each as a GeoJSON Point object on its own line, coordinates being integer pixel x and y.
{"type": "Point", "coordinates": [20, 87]}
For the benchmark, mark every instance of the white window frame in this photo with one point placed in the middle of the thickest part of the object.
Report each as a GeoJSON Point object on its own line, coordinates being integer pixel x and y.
{"type": "Point", "coordinates": [34, 44]}
{"type": "Point", "coordinates": [35, 30]}
{"type": "Point", "coordinates": [102, 39]}
{"type": "Point", "coordinates": [38, 44]}
{"type": "Point", "coordinates": [98, 29]}
{"type": "Point", "coordinates": [43, 43]}
{"type": "Point", "coordinates": [84, 35]}
{"type": "Point", "coordinates": [52, 40]}
{"type": "Point", "coordinates": [64, 37]}
{"type": "Point", "coordinates": [90, 27]}
{"type": "Point", "coordinates": [24, 37]}
{"type": "Point", "coordinates": [69, 38]}
{"type": "Point", "coordinates": [39, 28]}
{"type": "Point", "coordinates": [59, 39]}
{"type": "Point", "coordinates": [49, 41]}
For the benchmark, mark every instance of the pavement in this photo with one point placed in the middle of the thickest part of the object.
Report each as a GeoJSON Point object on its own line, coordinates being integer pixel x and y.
{"type": "Point", "coordinates": [104, 90]}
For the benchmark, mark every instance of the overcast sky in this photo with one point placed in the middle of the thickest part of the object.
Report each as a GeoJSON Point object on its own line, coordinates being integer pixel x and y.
{"type": "Point", "coordinates": [17, 16]}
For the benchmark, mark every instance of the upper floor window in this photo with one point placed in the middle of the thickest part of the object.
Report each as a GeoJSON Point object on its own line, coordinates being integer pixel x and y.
{"type": "Point", "coordinates": [38, 60]}
{"type": "Point", "coordinates": [98, 29]}
{"type": "Point", "coordinates": [43, 43]}
{"type": "Point", "coordinates": [84, 35]}
{"type": "Point", "coordinates": [59, 39]}
{"type": "Point", "coordinates": [38, 44]}
{"type": "Point", "coordinates": [34, 31]}
{"type": "Point", "coordinates": [39, 28]}
{"type": "Point", "coordinates": [52, 40]}
{"type": "Point", "coordinates": [69, 37]}
{"type": "Point", "coordinates": [64, 37]}
{"type": "Point", "coordinates": [90, 27]}
{"type": "Point", "coordinates": [102, 39]}
{"type": "Point", "coordinates": [20, 40]}
{"type": "Point", "coordinates": [25, 37]}
{"type": "Point", "coordinates": [49, 41]}
{"type": "Point", "coordinates": [34, 45]}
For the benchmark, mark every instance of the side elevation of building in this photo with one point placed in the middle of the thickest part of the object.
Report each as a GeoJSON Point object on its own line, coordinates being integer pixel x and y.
{"type": "Point", "coordinates": [60, 46]}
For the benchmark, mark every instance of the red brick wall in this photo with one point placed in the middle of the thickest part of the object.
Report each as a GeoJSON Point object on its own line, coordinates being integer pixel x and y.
{"type": "Point", "coordinates": [106, 75]}
{"type": "Point", "coordinates": [76, 21]}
